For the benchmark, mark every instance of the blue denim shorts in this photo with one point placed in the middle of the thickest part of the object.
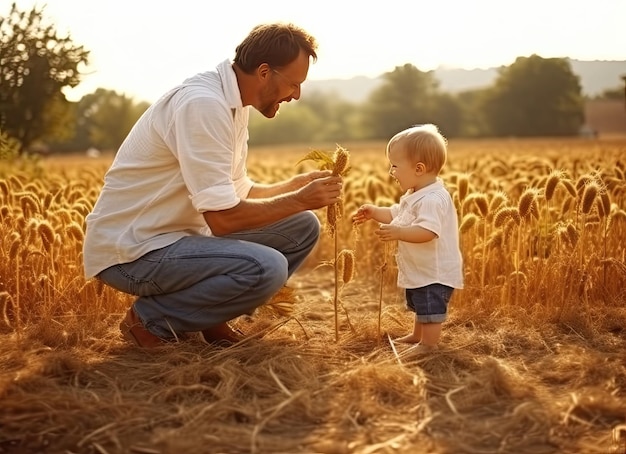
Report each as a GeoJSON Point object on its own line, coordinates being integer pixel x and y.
{"type": "Point", "coordinates": [430, 303]}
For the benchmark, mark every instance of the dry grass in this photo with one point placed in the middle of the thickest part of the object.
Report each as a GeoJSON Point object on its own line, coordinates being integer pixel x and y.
{"type": "Point", "coordinates": [532, 358]}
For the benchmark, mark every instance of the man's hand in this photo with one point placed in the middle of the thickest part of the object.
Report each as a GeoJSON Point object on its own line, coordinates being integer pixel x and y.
{"type": "Point", "coordinates": [320, 191]}
{"type": "Point", "coordinates": [301, 180]}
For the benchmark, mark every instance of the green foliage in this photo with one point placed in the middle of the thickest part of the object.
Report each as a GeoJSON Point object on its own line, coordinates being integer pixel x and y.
{"type": "Point", "coordinates": [474, 123]}
{"type": "Point", "coordinates": [340, 119]}
{"type": "Point", "coordinates": [448, 114]}
{"type": "Point", "coordinates": [617, 93]}
{"type": "Point", "coordinates": [405, 99]}
{"type": "Point", "coordinates": [9, 147]}
{"type": "Point", "coordinates": [11, 160]}
{"type": "Point", "coordinates": [105, 118]}
{"type": "Point", "coordinates": [35, 65]}
{"type": "Point", "coordinates": [535, 97]}
{"type": "Point", "coordinates": [532, 97]}
{"type": "Point", "coordinates": [294, 123]}
{"type": "Point", "coordinates": [316, 117]}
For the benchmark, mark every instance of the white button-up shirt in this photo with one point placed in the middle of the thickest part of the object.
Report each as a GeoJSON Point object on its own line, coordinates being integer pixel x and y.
{"type": "Point", "coordinates": [185, 155]}
{"type": "Point", "coordinates": [438, 261]}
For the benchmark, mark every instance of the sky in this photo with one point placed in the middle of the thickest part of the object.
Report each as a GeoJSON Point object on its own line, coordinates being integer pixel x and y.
{"type": "Point", "coordinates": [142, 48]}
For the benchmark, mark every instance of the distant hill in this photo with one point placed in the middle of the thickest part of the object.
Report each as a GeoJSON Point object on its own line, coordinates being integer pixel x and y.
{"type": "Point", "coordinates": [595, 77]}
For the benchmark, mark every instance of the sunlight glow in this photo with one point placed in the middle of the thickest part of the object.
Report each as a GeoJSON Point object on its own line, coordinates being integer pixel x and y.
{"type": "Point", "coordinates": [142, 48]}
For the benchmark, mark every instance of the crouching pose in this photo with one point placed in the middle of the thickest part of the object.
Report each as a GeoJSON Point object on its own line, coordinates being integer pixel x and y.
{"type": "Point", "coordinates": [179, 223]}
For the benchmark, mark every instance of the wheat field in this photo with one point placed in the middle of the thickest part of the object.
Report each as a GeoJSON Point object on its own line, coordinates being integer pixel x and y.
{"type": "Point", "coordinates": [532, 360]}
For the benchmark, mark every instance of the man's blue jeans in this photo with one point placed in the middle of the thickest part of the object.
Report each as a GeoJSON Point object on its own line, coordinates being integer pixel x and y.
{"type": "Point", "coordinates": [199, 281]}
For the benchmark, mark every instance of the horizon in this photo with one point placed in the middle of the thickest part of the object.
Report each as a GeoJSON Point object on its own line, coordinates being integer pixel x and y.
{"type": "Point", "coordinates": [446, 67]}
{"type": "Point", "coordinates": [142, 49]}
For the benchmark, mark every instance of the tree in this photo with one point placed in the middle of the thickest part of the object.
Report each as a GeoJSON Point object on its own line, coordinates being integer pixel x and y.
{"type": "Point", "coordinates": [338, 119]}
{"type": "Point", "coordinates": [35, 65]}
{"type": "Point", "coordinates": [406, 98]}
{"type": "Point", "coordinates": [105, 118]}
{"type": "Point", "coordinates": [448, 114]}
{"type": "Point", "coordinates": [535, 97]}
{"type": "Point", "coordinates": [293, 124]}
{"type": "Point", "coordinates": [616, 93]}
{"type": "Point", "coordinates": [471, 103]}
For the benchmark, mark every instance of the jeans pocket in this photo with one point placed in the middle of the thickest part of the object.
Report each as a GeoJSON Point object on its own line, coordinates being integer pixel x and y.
{"type": "Point", "coordinates": [445, 293]}
{"type": "Point", "coordinates": [139, 287]}
{"type": "Point", "coordinates": [126, 280]}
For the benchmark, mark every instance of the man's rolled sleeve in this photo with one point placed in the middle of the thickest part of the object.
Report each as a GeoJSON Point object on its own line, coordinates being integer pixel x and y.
{"type": "Point", "coordinates": [243, 186]}
{"type": "Point", "coordinates": [215, 198]}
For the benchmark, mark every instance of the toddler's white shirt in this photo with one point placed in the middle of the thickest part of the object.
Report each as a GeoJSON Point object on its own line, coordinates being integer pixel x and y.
{"type": "Point", "coordinates": [438, 261]}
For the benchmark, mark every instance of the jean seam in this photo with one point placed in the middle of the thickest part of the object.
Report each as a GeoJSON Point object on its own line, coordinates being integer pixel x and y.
{"type": "Point", "coordinates": [270, 232]}
{"type": "Point", "coordinates": [212, 256]}
{"type": "Point", "coordinates": [134, 281]}
{"type": "Point", "coordinates": [251, 260]}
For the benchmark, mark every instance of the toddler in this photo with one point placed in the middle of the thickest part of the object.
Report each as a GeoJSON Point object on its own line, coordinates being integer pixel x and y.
{"type": "Point", "coordinates": [424, 222]}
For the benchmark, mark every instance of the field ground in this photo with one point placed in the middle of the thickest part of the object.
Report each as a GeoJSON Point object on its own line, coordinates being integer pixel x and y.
{"type": "Point", "coordinates": [533, 356]}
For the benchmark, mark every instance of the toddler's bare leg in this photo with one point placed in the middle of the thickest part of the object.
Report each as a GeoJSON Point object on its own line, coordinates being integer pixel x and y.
{"type": "Point", "coordinates": [431, 332]}
{"type": "Point", "coordinates": [415, 337]}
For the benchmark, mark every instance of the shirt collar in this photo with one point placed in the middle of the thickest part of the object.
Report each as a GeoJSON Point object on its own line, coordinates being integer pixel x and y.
{"type": "Point", "coordinates": [425, 190]}
{"type": "Point", "coordinates": [229, 83]}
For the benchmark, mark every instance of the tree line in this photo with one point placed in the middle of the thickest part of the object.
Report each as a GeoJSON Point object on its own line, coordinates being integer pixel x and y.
{"type": "Point", "coordinates": [534, 96]}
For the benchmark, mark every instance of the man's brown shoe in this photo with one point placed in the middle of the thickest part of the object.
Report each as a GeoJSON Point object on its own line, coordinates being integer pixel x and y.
{"type": "Point", "coordinates": [134, 331]}
{"type": "Point", "coordinates": [222, 335]}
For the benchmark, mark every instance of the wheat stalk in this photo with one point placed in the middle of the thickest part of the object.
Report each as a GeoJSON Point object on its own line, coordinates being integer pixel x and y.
{"type": "Point", "coordinates": [588, 191]}
{"type": "Point", "coordinates": [569, 186]}
{"type": "Point", "coordinates": [4, 188]}
{"type": "Point", "coordinates": [5, 301]}
{"type": "Point", "coordinates": [340, 167]}
{"type": "Point", "coordinates": [346, 266]}
{"type": "Point", "coordinates": [283, 302]}
{"type": "Point", "coordinates": [16, 244]}
{"type": "Point", "coordinates": [338, 164]}
{"type": "Point", "coordinates": [75, 231]}
{"type": "Point", "coordinates": [589, 195]}
{"type": "Point", "coordinates": [340, 161]}
{"type": "Point", "coordinates": [499, 198]}
{"type": "Point", "coordinates": [46, 233]}
{"type": "Point", "coordinates": [616, 215]}
{"type": "Point", "coordinates": [462, 187]}
{"type": "Point", "coordinates": [604, 211]}
{"type": "Point", "coordinates": [604, 204]}
{"type": "Point", "coordinates": [527, 205]}
{"type": "Point", "coordinates": [383, 269]}
{"type": "Point", "coordinates": [504, 214]}
{"type": "Point", "coordinates": [482, 203]}
{"type": "Point", "coordinates": [469, 221]}
{"type": "Point", "coordinates": [30, 204]}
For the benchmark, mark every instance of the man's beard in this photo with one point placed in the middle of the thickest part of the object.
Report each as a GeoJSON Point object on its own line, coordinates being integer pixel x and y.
{"type": "Point", "coordinates": [268, 104]}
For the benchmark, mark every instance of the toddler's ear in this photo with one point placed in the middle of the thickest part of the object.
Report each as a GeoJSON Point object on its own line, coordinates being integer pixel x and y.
{"type": "Point", "coordinates": [420, 167]}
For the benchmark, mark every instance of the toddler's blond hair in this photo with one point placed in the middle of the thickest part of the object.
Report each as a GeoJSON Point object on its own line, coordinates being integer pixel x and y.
{"type": "Point", "coordinates": [422, 143]}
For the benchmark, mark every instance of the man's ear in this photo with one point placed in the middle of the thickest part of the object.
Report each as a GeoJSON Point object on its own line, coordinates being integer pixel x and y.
{"type": "Point", "coordinates": [263, 71]}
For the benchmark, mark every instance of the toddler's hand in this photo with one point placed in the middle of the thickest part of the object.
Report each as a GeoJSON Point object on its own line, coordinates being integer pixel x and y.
{"type": "Point", "coordinates": [387, 232]}
{"type": "Point", "coordinates": [363, 214]}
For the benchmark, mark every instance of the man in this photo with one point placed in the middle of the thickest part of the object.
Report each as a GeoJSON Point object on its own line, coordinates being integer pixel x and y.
{"type": "Point", "coordinates": [181, 225]}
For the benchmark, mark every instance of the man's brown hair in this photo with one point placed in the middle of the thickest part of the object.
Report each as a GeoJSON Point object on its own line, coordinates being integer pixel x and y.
{"type": "Point", "coordinates": [276, 44]}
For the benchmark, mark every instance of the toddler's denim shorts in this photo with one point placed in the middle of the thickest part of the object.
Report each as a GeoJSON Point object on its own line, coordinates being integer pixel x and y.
{"type": "Point", "coordinates": [430, 303]}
